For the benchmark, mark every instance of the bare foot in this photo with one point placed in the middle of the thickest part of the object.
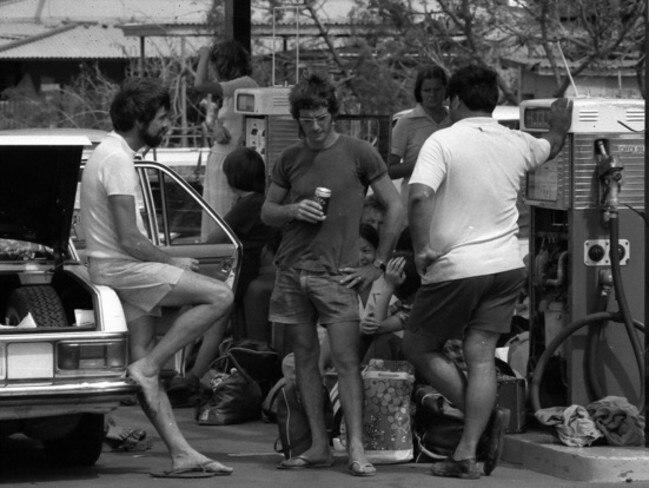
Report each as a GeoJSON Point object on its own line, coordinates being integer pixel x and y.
{"type": "Point", "coordinates": [198, 460]}
{"type": "Point", "coordinates": [357, 456]}
{"type": "Point", "coordinates": [316, 455]}
{"type": "Point", "coordinates": [150, 386]}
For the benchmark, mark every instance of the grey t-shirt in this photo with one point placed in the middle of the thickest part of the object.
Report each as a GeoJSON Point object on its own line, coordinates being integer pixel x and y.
{"type": "Point", "coordinates": [346, 168]}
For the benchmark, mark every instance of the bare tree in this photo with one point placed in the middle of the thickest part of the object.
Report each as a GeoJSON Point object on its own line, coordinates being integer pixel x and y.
{"type": "Point", "coordinates": [591, 33]}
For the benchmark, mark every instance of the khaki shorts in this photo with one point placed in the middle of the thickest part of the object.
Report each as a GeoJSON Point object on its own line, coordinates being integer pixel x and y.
{"type": "Point", "coordinates": [305, 297]}
{"type": "Point", "coordinates": [140, 285]}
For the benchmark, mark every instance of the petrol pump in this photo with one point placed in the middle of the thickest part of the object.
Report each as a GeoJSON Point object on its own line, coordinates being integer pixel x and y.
{"type": "Point", "coordinates": [269, 127]}
{"type": "Point", "coordinates": [586, 260]}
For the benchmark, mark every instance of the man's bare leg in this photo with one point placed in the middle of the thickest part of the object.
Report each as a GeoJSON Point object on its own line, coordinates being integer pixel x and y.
{"type": "Point", "coordinates": [211, 301]}
{"type": "Point", "coordinates": [480, 396]}
{"type": "Point", "coordinates": [344, 341]}
{"type": "Point", "coordinates": [476, 396]}
{"type": "Point", "coordinates": [436, 368]}
{"type": "Point", "coordinates": [304, 342]}
{"type": "Point", "coordinates": [209, 348]}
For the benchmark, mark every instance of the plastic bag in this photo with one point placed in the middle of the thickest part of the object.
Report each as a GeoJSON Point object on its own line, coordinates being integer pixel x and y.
{"type": "Point", "coordinates": [387, 433]}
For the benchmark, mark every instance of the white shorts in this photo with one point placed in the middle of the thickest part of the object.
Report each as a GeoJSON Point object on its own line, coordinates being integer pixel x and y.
{"type": "Point", "coordinates": [140, 285]}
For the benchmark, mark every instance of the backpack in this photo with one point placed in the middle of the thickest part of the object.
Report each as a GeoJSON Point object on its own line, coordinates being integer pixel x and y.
{"type": "Point", "coordinates": [292, 421]}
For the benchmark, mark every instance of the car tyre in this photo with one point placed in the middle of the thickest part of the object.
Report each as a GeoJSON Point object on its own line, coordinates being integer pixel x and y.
{"type": "Point", "coordinates": [42, 301]}
{"type": "Point", "coordinates": [80, 447]}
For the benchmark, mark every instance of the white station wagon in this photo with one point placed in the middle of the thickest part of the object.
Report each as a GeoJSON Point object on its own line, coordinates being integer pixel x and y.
{"type": "Point", "coordinates": [63, 340]}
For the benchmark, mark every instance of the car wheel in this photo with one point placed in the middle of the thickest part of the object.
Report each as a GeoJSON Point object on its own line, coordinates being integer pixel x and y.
{"type": "Point", "coordinates": [41, 301]}
{"type": "Point", "coordinates": [80, 447]}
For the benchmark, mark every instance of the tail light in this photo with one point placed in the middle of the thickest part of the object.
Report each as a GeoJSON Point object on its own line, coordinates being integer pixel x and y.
{"type": "Point", "coordinates": [74, 357]}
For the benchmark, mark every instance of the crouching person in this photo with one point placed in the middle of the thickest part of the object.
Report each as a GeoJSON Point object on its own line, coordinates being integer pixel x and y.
{"type": "Point", "coordinates": [145, 277]}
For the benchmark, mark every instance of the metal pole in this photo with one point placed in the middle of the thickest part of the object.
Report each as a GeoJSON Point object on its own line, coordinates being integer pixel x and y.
{"type": "Point", "coordinates": [646, 230]}
{"type": "Point", "coordinates": [238, 22]}
{"type": "Point", "coordinates": [142, 56]}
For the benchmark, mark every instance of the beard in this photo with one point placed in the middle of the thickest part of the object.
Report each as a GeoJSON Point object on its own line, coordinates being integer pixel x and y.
{"type": "Point", "coordinates": [151, 140]}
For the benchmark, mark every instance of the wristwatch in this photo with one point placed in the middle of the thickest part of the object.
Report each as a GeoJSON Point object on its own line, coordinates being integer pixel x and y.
{"type": "Point", "coordinates": [379, 264]}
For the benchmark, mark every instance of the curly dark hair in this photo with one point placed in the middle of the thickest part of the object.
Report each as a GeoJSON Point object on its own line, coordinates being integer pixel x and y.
{"type": "Point", "coordinates": [231, 60]}
{"type": "Point", "coordinates": [313, 92]}
{"type": "Point", "coordinates": [138, 99]}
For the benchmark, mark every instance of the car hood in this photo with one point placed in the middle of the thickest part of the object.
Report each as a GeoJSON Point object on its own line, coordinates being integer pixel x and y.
{"type": "Point", "coordinates": [38, 181]}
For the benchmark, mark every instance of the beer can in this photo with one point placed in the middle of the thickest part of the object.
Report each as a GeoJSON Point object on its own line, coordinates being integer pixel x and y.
{"type": "Point", "coordinates": [322, 195]}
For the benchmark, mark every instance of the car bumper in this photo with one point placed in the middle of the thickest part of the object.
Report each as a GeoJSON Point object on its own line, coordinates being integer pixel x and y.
{"type": "Point", "coordinates": [46, 400]}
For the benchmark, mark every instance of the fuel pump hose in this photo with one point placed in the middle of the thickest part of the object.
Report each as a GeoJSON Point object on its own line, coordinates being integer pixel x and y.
{"type": "Point", "coordinates": [623, 315]}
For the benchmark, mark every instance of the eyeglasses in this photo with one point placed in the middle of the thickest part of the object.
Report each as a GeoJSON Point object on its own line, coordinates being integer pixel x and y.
{"type": "Point", "coordinates": [318, 119]}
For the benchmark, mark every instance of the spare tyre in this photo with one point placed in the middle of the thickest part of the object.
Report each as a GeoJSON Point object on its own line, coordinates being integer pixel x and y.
{"type": "Point", "coordinates": [41, 301]}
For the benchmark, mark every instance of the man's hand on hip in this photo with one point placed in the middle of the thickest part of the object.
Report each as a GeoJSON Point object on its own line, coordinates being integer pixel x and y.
{"type": "Point", "coordinates": [425, 258]}
{"type": "Point", "coordinates": [355, 277]}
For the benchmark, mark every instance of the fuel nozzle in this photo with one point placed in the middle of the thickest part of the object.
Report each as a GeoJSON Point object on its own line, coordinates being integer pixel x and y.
{"type": "Point", "coordinates": [609, 171]}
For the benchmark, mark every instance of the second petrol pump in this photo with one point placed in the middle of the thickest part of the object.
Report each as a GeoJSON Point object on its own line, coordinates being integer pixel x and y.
{"type": "Point", "coordinates": [587, 255]}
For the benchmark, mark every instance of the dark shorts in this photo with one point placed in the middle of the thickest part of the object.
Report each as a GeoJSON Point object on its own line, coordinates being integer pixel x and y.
{"type": "Point", "coordinates": [445, 310]}
{"type": "Point", "coordinates": [302, 297]}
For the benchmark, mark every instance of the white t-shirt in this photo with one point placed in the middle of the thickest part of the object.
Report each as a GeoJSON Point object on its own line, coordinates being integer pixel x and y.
{"type": "Point", "coordinates": [475, 168]}
{"type": "Point", "coordinates": [109, 171]}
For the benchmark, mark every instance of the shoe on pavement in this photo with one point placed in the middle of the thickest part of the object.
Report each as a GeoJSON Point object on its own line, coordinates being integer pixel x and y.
{"type": "Point", "coordinates": [450, 468]}
{"type": "Point", "coordinates": [493, 438]}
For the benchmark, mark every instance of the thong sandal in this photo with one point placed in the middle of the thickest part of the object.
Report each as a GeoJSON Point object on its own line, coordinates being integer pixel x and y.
{"type": "Point", "coordinates": [198, 471]}
{"type": "Point", "coordinates": [356, 468]}
{"type": "Point", "coordinates": [303, 462]}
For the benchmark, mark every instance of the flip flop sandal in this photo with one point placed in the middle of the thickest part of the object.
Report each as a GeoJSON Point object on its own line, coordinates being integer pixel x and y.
{"type": "Point", "coordinates": [357, 468]}
{"type": "Point", "coordinates": [200, 471]}
{"type": "Point", "coordinates": [302, 462]}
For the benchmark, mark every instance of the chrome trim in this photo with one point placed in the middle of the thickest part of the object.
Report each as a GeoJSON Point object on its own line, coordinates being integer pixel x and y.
{"type": "Point", "coordinates": [79, 389]}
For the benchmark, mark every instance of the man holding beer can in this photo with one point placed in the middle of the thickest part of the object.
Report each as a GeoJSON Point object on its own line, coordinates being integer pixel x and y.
{"type": "Point", "coordinates": [317, 260]}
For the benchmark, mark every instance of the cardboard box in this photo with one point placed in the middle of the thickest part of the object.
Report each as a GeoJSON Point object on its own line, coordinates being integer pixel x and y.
{"type": "Point", "coordinates": [512, 395]}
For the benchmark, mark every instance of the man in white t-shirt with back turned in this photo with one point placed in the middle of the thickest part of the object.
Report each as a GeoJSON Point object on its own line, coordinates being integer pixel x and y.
{"type": "Point", "coordinates": [462, 214]}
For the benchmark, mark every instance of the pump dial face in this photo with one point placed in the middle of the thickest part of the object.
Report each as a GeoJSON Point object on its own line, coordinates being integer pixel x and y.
{"type": "Point", "coordinates": [543, 182]}
{"type": "Point", "coordinates": [536, 118]}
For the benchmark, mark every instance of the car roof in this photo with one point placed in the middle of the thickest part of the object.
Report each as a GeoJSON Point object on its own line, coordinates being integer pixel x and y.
{"type": "Point", "coordinates": [501, 112]}
{"type": "Point", "coordinates": [506, 112]}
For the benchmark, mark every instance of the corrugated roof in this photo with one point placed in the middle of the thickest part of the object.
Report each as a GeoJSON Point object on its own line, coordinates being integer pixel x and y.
{"type": "Point", "coordinates": [542, 65]}
{"type": "Point", "coordinates": [14, 31]}
{"type": "Point", "coordinates": [91, 41]}
{"type": "Point", "coordinates": [57, 11]}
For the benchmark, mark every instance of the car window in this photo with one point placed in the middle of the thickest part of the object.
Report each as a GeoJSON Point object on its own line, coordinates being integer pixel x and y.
{"type": "Point", "coordinates": [179, 212]}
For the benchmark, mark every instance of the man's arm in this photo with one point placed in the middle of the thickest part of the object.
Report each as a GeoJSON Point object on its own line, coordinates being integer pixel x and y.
{"type": "Point", "coordinates": [395, 170]}
{"type": "Point", "coordinates": [420, 213]}
{"type": "Point", "coordinates": [401, 169]}
{"type": "Point", "coordinates": [559, 121]}
{"type": "Point", "coordinates": [387, 195]}
{"type": "Point", "coordinates": [275, 213]}
{"type": "Point", "coordinates": [131, 239]}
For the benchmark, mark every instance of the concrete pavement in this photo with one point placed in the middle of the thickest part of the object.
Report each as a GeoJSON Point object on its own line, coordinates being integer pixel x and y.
{"type": "Point", "coordinates": [249, 449]}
